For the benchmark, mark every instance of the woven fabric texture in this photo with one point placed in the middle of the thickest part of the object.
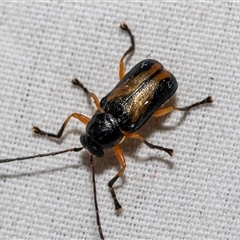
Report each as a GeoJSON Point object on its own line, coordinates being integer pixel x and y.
{"type": "Point", "coordinates": [193, 195]}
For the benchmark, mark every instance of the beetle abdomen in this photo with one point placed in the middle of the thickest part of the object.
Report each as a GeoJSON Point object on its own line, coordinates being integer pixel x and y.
{"type": "Point", "coordinates": [139, 94]}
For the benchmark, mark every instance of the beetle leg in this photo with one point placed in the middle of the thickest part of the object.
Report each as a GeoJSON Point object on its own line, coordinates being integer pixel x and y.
{"type": "Point", "coordinates": [80, 117]}
{"type": "Point", "coordinates": [119, 154]}
{"type": "Point", "coordinates": [97, 103]}
{"type": "Point", "coordinates": [124, 27]}
{"type": "Point", "coordinates": [75, 81]}
{"type": "Point", "coordinates": [164, 111]}
{"type": "Point", "coordinates": [150, 145]}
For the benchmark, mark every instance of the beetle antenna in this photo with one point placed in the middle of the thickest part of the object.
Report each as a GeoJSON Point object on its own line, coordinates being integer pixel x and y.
{"type": "Point", "coordinates": [41, 155]}
{"type": "Point", "coordinates": [95, 199]}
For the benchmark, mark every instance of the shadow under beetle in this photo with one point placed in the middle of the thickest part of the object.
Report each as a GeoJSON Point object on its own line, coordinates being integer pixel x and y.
{"type": "Point", "coordinates": [138, 96]}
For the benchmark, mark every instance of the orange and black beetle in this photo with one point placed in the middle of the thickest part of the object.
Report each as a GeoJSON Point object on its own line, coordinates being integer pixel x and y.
{"type": "Point", "coordinates": [137, 97]}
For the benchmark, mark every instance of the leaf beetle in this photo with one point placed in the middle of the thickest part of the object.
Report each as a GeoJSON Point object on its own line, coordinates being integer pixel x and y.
{"type": "Point", "coordinates": [137, 96]}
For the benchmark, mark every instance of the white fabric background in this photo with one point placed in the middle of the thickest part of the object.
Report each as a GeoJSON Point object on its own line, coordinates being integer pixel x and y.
{"type": "Point", "coordinates": [193, 195]}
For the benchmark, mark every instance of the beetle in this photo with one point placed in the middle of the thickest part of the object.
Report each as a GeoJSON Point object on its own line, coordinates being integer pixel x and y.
{"type": "Point", "coordinates": [137, 97]}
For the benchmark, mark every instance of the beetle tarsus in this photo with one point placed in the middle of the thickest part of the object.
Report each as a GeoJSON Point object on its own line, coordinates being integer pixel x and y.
{"type": "Point", "coordinates": [37, 130]}
{"type": "Point", "coordinates": [167, 150]}
{"type": "Point", "coordinates": [76, 82]}
{"type": "Point", "coordinates": [204, 101]}
{"type": "Point", "coordinates": [118, 206]}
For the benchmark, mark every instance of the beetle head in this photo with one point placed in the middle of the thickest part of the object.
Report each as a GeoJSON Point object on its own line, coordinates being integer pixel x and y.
{"type": "Point", "coordinates": [91, 146]}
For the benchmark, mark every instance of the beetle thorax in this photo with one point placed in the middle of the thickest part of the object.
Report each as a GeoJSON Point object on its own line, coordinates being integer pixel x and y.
{"type": "Point", "coordinates": [102, 132]}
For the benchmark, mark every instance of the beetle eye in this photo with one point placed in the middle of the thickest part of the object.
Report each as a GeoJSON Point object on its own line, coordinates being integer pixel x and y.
{"type": "Point", "coordinates": [91, 146]}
